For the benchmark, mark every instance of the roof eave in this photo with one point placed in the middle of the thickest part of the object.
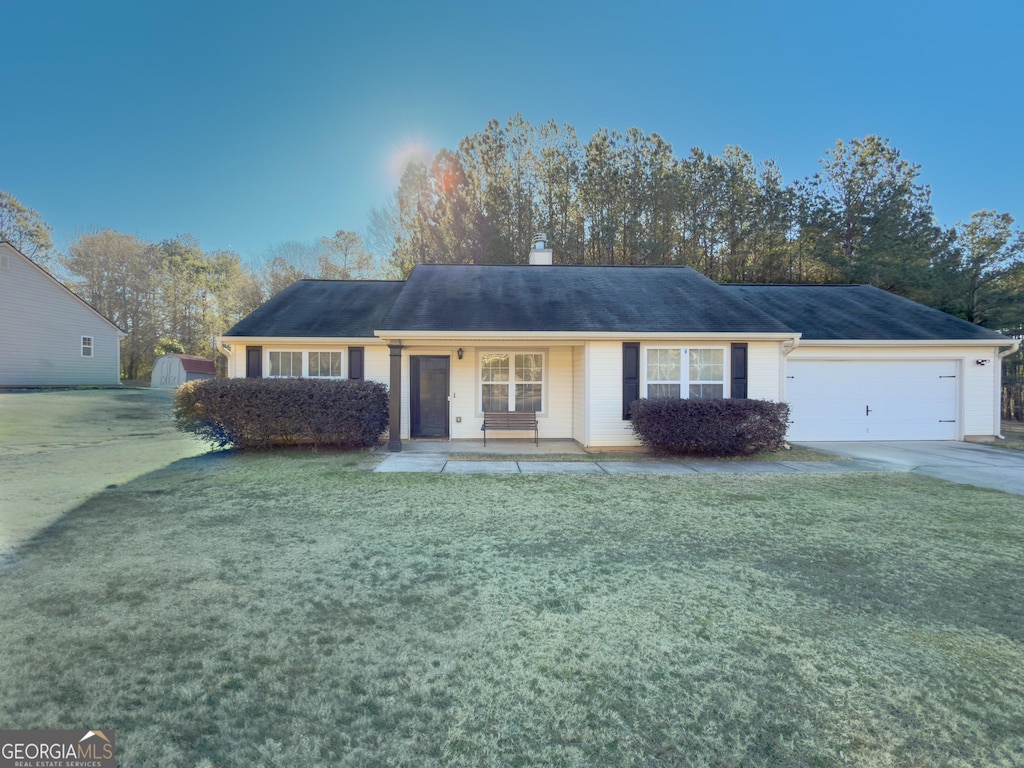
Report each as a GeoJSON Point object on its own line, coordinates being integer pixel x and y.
{"type": "Point", "coordinates": [581, 335]}
{"type": "Point", "coordinates": [226, 339]}
{"type": "Point", "coordinates": [905, 342]}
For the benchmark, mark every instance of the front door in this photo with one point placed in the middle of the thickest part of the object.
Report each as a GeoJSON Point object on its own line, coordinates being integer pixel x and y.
{"type": "Point", "coordinates": [428, 394]}
{"type": "Point", "coordinates": [254, 362]}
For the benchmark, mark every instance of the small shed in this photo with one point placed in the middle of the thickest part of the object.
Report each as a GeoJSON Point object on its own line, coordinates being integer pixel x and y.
{"type": "Point", "coordinates": [171, 371]}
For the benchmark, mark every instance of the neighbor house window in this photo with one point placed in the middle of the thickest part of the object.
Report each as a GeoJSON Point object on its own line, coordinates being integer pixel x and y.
{"type": "Point", "coordinates": [325, 364]}
{"type": "Point", "coordinates": [87, 346]}
{"type": "Point", "coordinates": [675, 372]}
{"type": "Point", "coordinates": [512, 381]}
{"type": "Point", "coordinates": [285, 363]}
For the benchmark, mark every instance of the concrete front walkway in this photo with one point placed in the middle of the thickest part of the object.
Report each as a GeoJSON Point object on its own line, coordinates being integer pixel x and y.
{"type": "Point", "coordinates": [443, 456]}
{"type": "Point", "coordinates": [969, 463]}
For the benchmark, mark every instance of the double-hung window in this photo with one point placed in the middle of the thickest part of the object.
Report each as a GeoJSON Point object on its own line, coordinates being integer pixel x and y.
{"type": "Point", "coordinates": [512, 381]}
{"type": "Point", "coordinates": [695, 372]}
{"type": "Point", "coordinates": [87, 346]}
{"type": "Point", "coordinates": [285, 364]}
{"type": "Point", "coordinates": [325, 365]}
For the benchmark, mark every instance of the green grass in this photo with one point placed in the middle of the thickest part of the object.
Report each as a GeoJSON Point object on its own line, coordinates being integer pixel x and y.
{"type": "Point", "coordinates": [287, 610]}
{"type": "Point", "coordinates": [1013, 432]}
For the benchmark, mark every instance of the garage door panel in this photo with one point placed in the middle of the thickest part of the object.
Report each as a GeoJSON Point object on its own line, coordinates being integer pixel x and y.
{"type": "Point", "coordinates": [872, 400]}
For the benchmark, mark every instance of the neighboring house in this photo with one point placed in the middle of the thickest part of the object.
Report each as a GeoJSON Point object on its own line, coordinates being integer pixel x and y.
{"type": "Point", "coordinates": [49, 336]}
{"type": "Point", "coordinates": [578, 344]}
{"type": "Point", "coordinates": [171, 371]}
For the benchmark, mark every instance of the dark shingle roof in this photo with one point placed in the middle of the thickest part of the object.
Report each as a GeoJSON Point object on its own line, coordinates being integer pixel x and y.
{"type": "Point", "coordinates": [571, 299]}
{"type": "Point", "coordinates": [330, 308]}
{"type": "Point", "coordinates": [452, 298]}
{"type": "Point", "coordinates": [823, 312]}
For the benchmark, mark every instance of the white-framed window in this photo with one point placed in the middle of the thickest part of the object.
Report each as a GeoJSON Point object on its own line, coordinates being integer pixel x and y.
{"type": "Point", "coordinates": [512, 381]}
{"type": "Point", "coordinates": [325, 365]}
{"type": "Point", "coordinates": [693, 372]}
{"type": "Point", "coordinates": [285, 364]}
{"type": "Point", "coordinates": [87, 346]}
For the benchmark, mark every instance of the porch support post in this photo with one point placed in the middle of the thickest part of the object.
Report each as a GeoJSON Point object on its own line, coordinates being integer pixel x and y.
{"type": "Point", "coordinates": [395, 399]}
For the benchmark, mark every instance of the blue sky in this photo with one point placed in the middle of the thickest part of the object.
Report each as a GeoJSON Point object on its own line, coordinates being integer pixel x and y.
{"type": "Point", "coordinates": [252, 123]}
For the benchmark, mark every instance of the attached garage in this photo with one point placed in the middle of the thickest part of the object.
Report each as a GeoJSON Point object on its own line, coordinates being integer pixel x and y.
{"type": "Point", "coordinates": [873, 399]}
{"type": "Point", "coordinates": [870, 365]}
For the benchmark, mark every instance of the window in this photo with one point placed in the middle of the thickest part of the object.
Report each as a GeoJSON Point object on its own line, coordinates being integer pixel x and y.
{"type": "Point", "coordinates": [698, 372]}
{"type": "Point", "coordinates": [707, 374]}
{"type": "Point", "coordinates": [664, 373]}
{"type": "Point", "coordinates": [325, 364]}
{"type": "Point", "coordinates": [285, 363]}
{"type": "Point", "coordinates": [87, 346]}
{"type": "Point", "coordinates": [512, 382]}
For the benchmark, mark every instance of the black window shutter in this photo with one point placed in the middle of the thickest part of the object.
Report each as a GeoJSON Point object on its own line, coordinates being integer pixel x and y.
{"type": "Point", "coordinates": [355, 362]}
{"type": "Point", "coordinates": [630, 375]}
{"type": "Point", "coordinates": [739, 371]}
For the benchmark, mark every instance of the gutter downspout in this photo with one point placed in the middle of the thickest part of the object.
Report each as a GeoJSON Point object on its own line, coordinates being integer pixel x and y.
{"type": "Point", "coordinates": [225, 349]}
{"type": "Point", "coordinates": [787, 348]}
{"type": "Point", "coordinates": [999, 386]}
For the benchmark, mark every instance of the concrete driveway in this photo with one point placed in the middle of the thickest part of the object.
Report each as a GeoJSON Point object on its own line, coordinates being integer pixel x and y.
{"type": "Point", "coordinates": [967, 463]}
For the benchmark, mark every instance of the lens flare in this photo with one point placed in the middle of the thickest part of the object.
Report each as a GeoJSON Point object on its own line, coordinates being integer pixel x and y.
{"type": "Point", "coordinates": [412, 151]}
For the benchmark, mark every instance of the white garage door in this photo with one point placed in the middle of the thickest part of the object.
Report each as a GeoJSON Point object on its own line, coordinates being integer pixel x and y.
{"type": "Point", "coordinates": [872, 399]}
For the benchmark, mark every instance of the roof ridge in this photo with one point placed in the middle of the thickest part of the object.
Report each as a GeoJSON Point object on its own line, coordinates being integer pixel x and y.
{"type": "Point", "coordinates": [798, 285]}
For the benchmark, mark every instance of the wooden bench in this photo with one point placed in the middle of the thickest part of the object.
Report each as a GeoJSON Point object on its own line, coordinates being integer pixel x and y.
{"type": "Point", "coordinates": [511, 420]}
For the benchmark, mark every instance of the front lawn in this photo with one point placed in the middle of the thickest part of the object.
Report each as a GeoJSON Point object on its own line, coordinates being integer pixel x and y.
{"type": "Point", "coordinates": [1013, 433]}
{"type": "Point", "coordinates": [289, 610]}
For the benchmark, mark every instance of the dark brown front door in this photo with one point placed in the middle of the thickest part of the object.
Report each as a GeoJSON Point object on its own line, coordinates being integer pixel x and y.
{"type": "Point", "coordinates": [254, 362]}
{"type": "Point", "coordinates": [428, 394]}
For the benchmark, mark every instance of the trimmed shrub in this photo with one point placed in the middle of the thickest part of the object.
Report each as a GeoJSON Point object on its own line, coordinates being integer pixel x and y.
{"type": "Point", "coordinates": [710, 427]}
{"type": "Point", "coordinates": [260, 413]}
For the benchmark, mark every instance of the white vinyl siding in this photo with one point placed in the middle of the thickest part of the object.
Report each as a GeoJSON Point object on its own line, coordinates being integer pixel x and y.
{"type": "Point", "coordinates": [604, 396]}
{"type": "Point", "coordinates": [377, 364]}
{"type": "Point", "coordinates": [764, 370]}
{"type": "Point", "coordinates": [43, 325]}
{"type": "Point", "coordinates": [579, 398]}
{"type": "Point", "coordinates": [556, 422]}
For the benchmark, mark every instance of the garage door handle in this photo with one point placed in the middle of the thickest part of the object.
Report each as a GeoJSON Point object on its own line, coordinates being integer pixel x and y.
{"type": "Point", "coordinates": [867, 410]}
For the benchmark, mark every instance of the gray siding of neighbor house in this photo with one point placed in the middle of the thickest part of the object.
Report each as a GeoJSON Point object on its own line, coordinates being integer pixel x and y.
{"type": "Point", "coordinates": [41, 330]}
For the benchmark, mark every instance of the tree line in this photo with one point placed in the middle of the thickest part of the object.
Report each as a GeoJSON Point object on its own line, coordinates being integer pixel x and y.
{"type": "Point", "coordinates": [619, 198]}
{"type": "Point", "coordinates": [628, 199]}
